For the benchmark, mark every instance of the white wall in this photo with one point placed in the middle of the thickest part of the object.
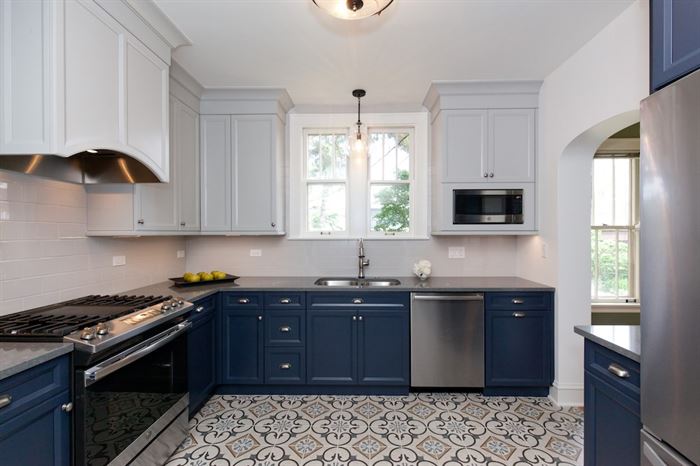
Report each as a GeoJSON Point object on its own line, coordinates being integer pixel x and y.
{"type": "Point", "coordinates": [486, 256]}
{"type": "Point", "coordinates": [593, 94]}
{"type": "Point", "coordinates": [45, 256]}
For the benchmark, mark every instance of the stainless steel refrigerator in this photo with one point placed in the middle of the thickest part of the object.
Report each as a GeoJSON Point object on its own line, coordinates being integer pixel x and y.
{"type": "Point", "coordinates": [670, 274]}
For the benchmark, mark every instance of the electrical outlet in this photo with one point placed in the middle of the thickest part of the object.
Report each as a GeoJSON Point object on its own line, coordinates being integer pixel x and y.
{"type": "Point", "coordinates": [180, 254]}
{"type": "Point", "coordinates": [118, 261]}
{"type": "Point", "coordinates": [255, 252]}
{"type": "Point", "coordinates": [545, 250]}
{"type": "Point", "coordinates": [455, 252]}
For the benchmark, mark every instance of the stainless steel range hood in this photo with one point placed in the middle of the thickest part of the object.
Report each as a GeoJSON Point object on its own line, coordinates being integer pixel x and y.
{"type": "Point", "coordinates": [99, 166]}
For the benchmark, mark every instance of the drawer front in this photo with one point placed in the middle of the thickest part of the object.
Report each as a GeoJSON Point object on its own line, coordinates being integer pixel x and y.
{"type": "Point", "coordinates": [285, 366]}
{"type": "Point", "coordinates": [203, 308]}
{"type": "Point", "coordinates": [516, 301]}
{"type": "Point", "coordinates": [33, 386]}
{"type": "Point", "coordinates": [359, 300]}
{"type": "Point", "coordinates": [240, 300]}
{"type": "Point", "coordinates": [284, 327]}
{"type": "Point", "coordinates": [604, 364]}
{"type": "Point", "coordinates": [285, 300]}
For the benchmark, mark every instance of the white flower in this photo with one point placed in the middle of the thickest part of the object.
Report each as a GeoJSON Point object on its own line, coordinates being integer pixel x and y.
{"type": "Point", "coordinates": [422, 269]}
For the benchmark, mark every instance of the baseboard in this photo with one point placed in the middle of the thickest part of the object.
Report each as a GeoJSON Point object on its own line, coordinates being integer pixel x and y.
{"type": "Point", "coordinates": [570, 394]}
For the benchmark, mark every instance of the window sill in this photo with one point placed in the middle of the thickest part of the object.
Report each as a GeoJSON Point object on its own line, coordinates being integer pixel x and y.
{"type": "Point", "coordinates": [615, 308]}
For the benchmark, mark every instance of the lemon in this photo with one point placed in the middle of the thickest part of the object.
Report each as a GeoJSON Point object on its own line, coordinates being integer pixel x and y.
{"type": "Point", "coordinates": [191, 277]}
{"type": "Point", "coordinates": [206, 277]}
{"type": "Point", "coordinates": [218, 275]}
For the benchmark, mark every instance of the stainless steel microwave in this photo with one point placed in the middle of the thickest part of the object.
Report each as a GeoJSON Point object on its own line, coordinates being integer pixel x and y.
{"type": "Point", "coordinates": [487, 206]}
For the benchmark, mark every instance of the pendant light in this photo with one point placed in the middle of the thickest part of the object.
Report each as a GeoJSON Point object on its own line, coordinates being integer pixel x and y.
{"type": "Point", "coordinates": [359, 146]}
{"type": "Point", "coordinates": [353, 9]}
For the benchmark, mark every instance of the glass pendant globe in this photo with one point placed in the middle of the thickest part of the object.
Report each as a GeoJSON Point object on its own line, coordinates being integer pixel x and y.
{"type": "Point", "coordinates": [359, 146]}
{"type": "Point", "coordinates": [349, 9]}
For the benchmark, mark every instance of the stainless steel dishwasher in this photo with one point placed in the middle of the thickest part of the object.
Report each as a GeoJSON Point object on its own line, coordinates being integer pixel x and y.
{"type": "Point", "coordinates": [447, 340]}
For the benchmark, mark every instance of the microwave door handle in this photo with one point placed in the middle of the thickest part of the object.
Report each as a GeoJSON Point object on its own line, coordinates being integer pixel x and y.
{"type": "Point", "coordinates": [115, 363]}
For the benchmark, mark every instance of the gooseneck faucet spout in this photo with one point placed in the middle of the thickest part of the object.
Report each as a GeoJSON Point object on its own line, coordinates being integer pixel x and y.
{"type": "Point", "coordinates": [362, 262]}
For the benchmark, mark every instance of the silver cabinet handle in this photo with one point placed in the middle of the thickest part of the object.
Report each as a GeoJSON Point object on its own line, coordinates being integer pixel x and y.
{"type": "Point", "coordinates": [5, 400]}
{"type": "Point", "coordinates": [285, 329]}
{"type": "Point", "coordinates": [285, 366]}
{"type": "Point", "coordinates": [354, 317]}
{"type": "Point", "coordinates": [285, 301]}
{"type": "Point", "coordinates": [199, 309]}
{"type": "Point", "coordinates": [140, 221]}
{"type": "Point", "coordinates": [67, 407]}
{"type": "Point", "coordinates": [358, 300]}
{"type": "Point", "coordinates": [618, 371]}
{"type": "Point", "coordinates": [243, 301]}
{"type": "Point", "coordinates": [491, 175]}
{"type": "Point", "coordinates": [259, 317]}
{"type": "Point", "coordinates": [360, 317]}
{"type": "Point", "coordinates": [486, 175]}
{"type": "Point", "coordinates": [182, 224]}
{"type": "Point", "coordinates": [518, 315]}
{"type": "Point", "coordinates": [273, 224]}
{"type": "Point", "coordinates": [517, 301]}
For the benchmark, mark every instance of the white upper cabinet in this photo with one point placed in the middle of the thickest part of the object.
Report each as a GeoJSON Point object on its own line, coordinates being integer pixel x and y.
{"type": "Point", "coordinates": [511, 145]}
{"type": "Point", "coordinates": [465, 135]}
{"type": "Point", "coordinates": [216, 172]}
{"type": "Point", "coordinates": [185, 152]}
{"type": "Point", "coordinates": [86, 74]}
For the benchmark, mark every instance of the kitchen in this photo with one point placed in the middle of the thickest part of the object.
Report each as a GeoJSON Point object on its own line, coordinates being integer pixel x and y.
{"type": "Point", "coordinates": [142, 156]}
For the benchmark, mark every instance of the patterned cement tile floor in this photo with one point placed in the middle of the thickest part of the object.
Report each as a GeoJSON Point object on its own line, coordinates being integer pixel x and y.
{"type": "Point", "coordinates": [419, 429]}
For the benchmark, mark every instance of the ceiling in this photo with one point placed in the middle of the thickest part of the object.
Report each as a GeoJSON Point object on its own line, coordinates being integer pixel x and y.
{"type": "Point", "coordinates": [319, 59]}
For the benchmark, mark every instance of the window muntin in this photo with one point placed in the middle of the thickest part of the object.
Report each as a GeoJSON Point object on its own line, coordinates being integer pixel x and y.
{"type": "Point", "coordinates": [615, 228]}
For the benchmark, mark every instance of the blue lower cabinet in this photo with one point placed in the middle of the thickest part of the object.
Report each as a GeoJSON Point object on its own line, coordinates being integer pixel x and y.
{"type": "Point", "coordinates": [242, 349]}
{"type": "Point", "coordinates": [331, 347]}
{"type": "Point", "coordinates": [384, 347]}
{"type": "Point", "coordinates": [612, 406]}
{"type": "Point", "coordinates": [285, 366]}
{"type": "Point", "coordinates": [201, 354]}
{"type": "Point", "coordinates": [35, 428]}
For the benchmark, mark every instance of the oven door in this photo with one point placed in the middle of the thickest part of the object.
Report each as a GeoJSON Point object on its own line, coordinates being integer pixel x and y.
{"type": "Point", "coordinates": [487, 206]}
{"type": "Point", "coordinates": [133, 403]}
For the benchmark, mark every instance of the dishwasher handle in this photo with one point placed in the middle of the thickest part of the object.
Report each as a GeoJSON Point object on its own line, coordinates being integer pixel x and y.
{"type": "Point", "coordinates": [448, 297]}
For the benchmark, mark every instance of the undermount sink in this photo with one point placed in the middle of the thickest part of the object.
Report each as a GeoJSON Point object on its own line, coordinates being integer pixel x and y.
{"type": "Point", "coordinates": [357, 282]}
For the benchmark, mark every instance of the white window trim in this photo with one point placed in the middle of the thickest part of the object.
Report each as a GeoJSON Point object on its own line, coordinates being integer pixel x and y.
{"type": "Point", "coordinates": [358, 216]}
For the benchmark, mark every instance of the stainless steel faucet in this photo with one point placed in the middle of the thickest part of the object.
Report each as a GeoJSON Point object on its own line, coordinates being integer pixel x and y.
{"type": "Point", "coordinates": [362, 262]}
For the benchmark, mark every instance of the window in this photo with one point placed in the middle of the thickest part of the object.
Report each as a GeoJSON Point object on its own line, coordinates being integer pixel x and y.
{"type": "Point", "coordinates": [615, 228]}
{"type": "Point", "coordinates": [335, 194]}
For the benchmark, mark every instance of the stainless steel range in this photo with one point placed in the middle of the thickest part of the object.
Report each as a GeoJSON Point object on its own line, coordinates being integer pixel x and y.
{"type": "Point", "coordinates": [129, 372]}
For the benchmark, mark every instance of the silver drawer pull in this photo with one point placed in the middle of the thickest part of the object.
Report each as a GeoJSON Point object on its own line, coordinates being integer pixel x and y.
{"type": "Point", "coordinates": [519, 315]}
{"type": "Point", "coordinates": [285, 329]}
{"type": "Point", "coordinates": [618, 371]}
{"type": "Point", "coordinates": [517, 301]}
{"type": "Point", "coordinates": [67, 407]}
{"type": "Point", "coordinates": [259, 317]}
{"type": "Point", "coordinates": [285, 301]}
{"type": "Point", "coordinates": [357, 300]}
{"type": "Point", "coordinates": [285, 366]}
{"type": "Point", "coordinates": [199, 309]}
{"type": "Point", "coordinates": [360, 317]}
{"type": "Point", "coordinates": [5, 400]}
{"type": "Point", "coordinates": [354, 317]}
{"type": "Point", "coordinates": [243, 301]}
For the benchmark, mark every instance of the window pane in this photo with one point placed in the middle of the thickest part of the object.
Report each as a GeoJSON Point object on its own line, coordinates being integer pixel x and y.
{"type": "Point", "coordinates": [326, 207]}
{"type": "Point", "coordinates": [622, 191]}
{"type": "Point", "coordinates": [623, 268]}
{"type": "Point", "coordinates": [389, 208]}
{"type": "Point", "coordinates": [389, 155]}
{"type": "Point", "coordinates": [327, 156]}
{"type": "Point", "coordinates": [594, 262]}
{"type": "Point", "coordinates": [603, 191]}
{"type": "Point", "coordinates": [607, 264]}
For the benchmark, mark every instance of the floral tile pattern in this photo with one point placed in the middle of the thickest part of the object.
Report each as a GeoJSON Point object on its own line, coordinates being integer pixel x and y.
{"type": "Point", "coordinates": [425, 429]}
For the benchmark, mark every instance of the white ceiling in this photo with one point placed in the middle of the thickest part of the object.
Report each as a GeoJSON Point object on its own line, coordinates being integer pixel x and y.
{"type": "Point", "coordinates": [319, 59]}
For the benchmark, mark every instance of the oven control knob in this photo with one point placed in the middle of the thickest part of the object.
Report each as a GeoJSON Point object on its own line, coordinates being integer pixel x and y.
{"type": "Point", "coordinates": [174, 303]}
{"type": "Point", "coordinates": [180, 301]}
{"type": "Point", "coordinates": [102, 328]}
{"type": "Point", "coordinates": [164, 308]}
{"type": "Point", "coordinates": [88, 333]}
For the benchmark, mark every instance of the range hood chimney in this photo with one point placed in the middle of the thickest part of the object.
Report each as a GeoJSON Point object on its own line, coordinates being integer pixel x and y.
{"type": "Point", "coordinates": [90, 167]}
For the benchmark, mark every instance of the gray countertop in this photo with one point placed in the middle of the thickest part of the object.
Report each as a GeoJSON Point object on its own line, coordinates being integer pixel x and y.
{"type": "Point", "coordinates": [442, 284]}
{"type": "Point", "coordinates": [623, 339]}
{"type": "Point", "coordinates": [18, 357]}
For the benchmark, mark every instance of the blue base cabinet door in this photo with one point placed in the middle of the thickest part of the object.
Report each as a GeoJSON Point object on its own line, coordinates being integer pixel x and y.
{"type": "Point", "coordinates": [384, 347]}
{"type": "Point", "coordinates": [331, 347]}
{"type": "Point", "coordinates": [201, 355]}
{"type": "Point", "coordinates": [242, 349]}
{"type": "Point", "coordinates": [675, 40]}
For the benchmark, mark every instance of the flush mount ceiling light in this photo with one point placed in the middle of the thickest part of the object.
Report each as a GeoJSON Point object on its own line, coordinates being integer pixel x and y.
{"type": "Point", "coordinates": [353, 9]}
{"type": "Point", "coordinates": [359, 147]}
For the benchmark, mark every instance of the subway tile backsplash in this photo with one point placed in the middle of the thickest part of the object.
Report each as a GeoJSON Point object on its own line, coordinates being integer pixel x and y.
{"type": "Point", "coordinates": [45, 256]}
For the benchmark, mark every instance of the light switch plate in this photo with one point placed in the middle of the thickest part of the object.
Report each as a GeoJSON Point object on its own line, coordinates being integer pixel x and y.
{"type": "Point", "coordinates": [455, 252]}
{"type": "Point", "coordinates": [118, 261]}
{"type": "Point", "coordinates": [180, 254]}
{"type": "Point", "coordinates": [255, 252]}
{"type": "Point", "coordinates": [545, 250]}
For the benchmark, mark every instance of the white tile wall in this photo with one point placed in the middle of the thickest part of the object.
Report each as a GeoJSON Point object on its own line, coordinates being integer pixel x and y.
{"type": "Point", "coordinates": [45, 256]}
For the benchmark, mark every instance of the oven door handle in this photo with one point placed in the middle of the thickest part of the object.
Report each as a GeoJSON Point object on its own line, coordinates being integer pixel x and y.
{"type": "Point", "coordinates": [115, 363]}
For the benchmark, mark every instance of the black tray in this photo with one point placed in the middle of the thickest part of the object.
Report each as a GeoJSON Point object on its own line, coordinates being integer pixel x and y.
{"type": "Point", "coordinates": [180, 282]}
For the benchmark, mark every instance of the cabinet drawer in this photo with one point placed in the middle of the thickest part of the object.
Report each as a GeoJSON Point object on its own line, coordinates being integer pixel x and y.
{"type": "Point", "coordinates": [285, 300]}
{"type": "Point", "coordinates": [203, 309]}
{"type": "Point", "coordinates": [33, 386]}
{"type": "Point", "coordinates": [238, 300]}
{"type": "Point", "coordinates": [284, 327]}
{"type": "Point", "coordinates": [516, 301]}
{"type": "Point", "coordinates": [285, 366]}
{"type": "Point", "coordinates": [358, 300]}
{"type": "Point", "coordinates": [602, 363]}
